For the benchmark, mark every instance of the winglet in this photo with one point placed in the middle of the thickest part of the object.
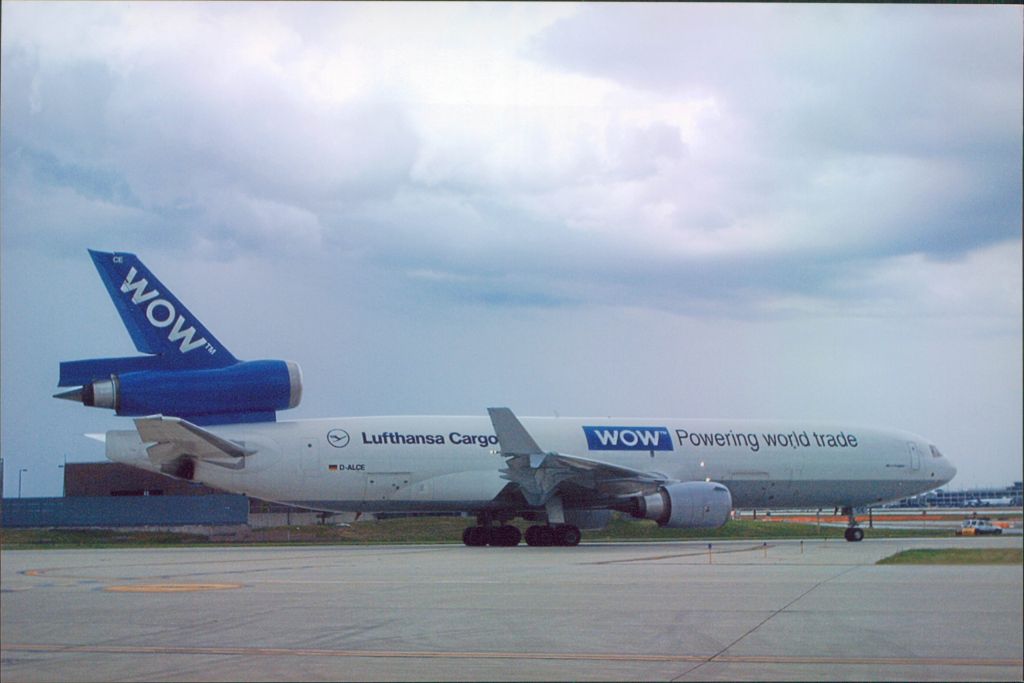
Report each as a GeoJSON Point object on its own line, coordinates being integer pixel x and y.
{"type": "Point", "coordinates": [513, 439]}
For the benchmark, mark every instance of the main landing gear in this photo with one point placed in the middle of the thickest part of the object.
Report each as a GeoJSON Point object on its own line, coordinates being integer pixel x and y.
{"type": "Point", "coordinates": [853, 532]}
{"type": "Point", "coordinates": [507, 535]}
{"type": "Point", "coordinates": [558, 534]}
{"type": "Point", "coordinates": [504, 535]}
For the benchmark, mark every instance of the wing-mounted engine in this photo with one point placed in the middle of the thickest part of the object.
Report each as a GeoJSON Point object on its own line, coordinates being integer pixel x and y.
{"type": "Point", "coordinates": [687, 504]}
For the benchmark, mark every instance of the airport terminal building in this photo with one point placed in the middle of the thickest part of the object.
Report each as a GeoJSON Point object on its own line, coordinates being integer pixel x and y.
{"type": "Point", "coordinates": [1009, 496]}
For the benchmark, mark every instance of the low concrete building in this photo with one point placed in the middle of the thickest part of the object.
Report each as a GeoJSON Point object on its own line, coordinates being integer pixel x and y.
{"type": "Point", "coordinates": [114, 479]}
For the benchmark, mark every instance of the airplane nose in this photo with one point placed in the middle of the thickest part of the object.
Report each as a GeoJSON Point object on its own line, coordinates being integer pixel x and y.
{"type": "Point", "coordinates": [946, 471]}
{"type": "Point", "coordinates": [942, 468]}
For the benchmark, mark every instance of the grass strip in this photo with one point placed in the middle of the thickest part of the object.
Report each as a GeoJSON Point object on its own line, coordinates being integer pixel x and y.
{"type": "Point", "coordinates": [418, 530]}
{"type": "Point", "coordinates": [623, 529]}
{"type": "Point", "coordinates": [957, 556]}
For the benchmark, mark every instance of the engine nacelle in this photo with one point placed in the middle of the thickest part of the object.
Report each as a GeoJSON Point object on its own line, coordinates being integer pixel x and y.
{"type": "Point", "coordinates": [251, 387]}
{"type": "Point", "coordinates": [688, 504]}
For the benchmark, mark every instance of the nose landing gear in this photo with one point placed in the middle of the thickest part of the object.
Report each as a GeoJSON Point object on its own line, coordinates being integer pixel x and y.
{"type": "Point", "coordinates": [853, 532]}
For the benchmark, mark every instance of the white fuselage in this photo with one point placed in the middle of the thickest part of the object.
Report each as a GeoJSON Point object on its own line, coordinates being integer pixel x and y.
{"type": "Point", "coordinates": [424, 463]}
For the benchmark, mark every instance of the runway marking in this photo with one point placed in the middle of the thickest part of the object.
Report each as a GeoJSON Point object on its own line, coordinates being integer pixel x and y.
{"type": "Point", "coordinates": [720, 655]}
{"type": "Point", "coordinates": [171, 587]}
{"type": "Point", "coordinates": [699, 553]}
{"type": "Point", "coordinates": [564, 656]}
{"type": "Point", "coordinates": [356, 553]}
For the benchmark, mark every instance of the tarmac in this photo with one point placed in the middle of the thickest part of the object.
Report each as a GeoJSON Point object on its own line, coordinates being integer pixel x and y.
{"type": "Point", "coordinates": [745, 610]}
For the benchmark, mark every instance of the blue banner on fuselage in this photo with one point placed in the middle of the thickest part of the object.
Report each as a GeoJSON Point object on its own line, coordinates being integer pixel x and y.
{"type": "Point", "coordinates": [628, 438]}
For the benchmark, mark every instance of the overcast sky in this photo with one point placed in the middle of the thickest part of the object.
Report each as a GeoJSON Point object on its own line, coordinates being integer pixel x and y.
{"type": "Point", "coordinates": [778, 211]}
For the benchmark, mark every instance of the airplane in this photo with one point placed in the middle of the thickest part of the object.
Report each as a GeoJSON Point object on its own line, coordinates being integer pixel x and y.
{"type": "Point", "coordinates": [202, 415]}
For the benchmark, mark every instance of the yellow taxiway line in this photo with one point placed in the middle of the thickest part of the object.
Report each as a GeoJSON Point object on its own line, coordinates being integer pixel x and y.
{"type": "Point", "coordinates": [171, 587]}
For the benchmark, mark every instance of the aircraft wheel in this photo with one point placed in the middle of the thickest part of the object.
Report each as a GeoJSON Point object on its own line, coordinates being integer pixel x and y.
{"type": "Point", "coordinates": [854, 534]}
{"type": "Point", "coordinates": [540, 535]}
{"type": "Point", "coordinates": [476, 536]}
{"type": "Point", "coordinates": [506, 536]}
{"type": "Point", "coordinates": [567, 534]}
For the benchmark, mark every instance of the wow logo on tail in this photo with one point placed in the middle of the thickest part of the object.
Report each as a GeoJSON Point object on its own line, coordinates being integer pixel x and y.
{"type": "Point", "coordinates": [162, 307]}
{"type": "Point", "coordinates": [157, 322]}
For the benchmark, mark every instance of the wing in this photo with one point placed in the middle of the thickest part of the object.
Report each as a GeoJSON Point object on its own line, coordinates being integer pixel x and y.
{"type": "Point", "coordinates": [172, 437]}
{"type": "Point", "coordinates": [540, 475]}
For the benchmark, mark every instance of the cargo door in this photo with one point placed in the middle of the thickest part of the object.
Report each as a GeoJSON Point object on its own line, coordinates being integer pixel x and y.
{"type": "Point", "coordinates": [386, 485]}
{"type": "Point", "coordinates": [309, 456]}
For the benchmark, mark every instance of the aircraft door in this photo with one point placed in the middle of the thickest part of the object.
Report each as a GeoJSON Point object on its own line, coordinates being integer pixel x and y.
{"type": "Point", "coordinates": [385, 485]}
{"type": "Point", "coordinates": [309, 456]}
{"type": "Point", "coordinates": [915, 456]}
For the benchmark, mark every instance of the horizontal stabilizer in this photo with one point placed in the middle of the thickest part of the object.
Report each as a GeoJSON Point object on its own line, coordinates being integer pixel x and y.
{"type": "Point", "coordinates": [81, 372]}
{"type": "Point", "coordinates": [172, 437]}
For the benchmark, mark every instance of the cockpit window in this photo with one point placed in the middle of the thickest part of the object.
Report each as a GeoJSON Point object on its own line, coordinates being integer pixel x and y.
{"type": "Point", "coordinates": [935, 452]}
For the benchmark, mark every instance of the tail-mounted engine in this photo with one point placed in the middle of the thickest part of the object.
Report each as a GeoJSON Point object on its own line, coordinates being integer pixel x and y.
{"type": "Point", "coordinates": [688, 504]}
{"type": "Point", "coordinates": [247, 391]}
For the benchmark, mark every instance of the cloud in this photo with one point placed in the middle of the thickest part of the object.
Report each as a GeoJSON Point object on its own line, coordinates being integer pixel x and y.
{"type": "Point", "coordinates": [980, 291]}
{"type": "Point", "coordinates": [676, 156]}
{"type": "Point", "coordinates": [819, 114]}
{"type": "Point", "coordinates": [612, 208]}
{"type": "Point", "coordinates": [213, 136]}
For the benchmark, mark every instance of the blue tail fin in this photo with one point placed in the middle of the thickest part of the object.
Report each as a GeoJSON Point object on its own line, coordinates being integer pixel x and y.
{"type": "Point", "coordinates": [185, 371]}
{"type": "Point", "coordinates": [158, 323]}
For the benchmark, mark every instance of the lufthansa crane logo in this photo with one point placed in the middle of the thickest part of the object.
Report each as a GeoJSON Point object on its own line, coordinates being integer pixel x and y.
{"type": "Point", "coordinates": [337, 438]}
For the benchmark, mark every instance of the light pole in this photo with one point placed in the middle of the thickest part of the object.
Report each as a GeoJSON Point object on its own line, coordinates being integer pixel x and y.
{"type": "Point", "coordinates": [23, 469]}
{"type": "Point", "coordinates": [64, 477]}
